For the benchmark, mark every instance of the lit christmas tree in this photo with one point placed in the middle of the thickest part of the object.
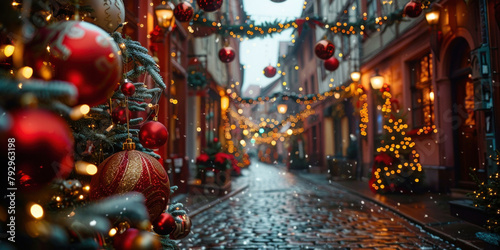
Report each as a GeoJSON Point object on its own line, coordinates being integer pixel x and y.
{"type": "Point", "coordinates": [397, 167]}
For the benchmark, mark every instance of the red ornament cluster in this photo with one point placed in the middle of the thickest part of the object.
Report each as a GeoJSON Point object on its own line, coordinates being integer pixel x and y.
{"type": "Point", "coordinates": [413, 9]}
{"type": "Point", "coordinates": [269, 71]}
{"type": "Point", "coordinates": [324, 49]}
{"type": "Point", "coordinates": [227, 54]}
{"type": "Point", "coordinates": [209, 5]}
{"type": "Point", "coordinates": [119, 115]}
{"type": "Point", "coordinates": [183, 12]}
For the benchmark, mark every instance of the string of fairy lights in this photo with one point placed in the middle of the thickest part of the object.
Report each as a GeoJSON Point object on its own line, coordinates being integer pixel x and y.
{"type": "Point", "coordinates": [249, 30]}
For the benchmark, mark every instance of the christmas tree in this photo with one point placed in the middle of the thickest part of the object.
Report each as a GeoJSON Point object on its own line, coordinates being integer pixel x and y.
{"type": "Point", "coordinates": [67, 92]}
{"type": "Point", "coordinates": [486, 197]}
{"type": "Point", "coordinates": [397, 167]}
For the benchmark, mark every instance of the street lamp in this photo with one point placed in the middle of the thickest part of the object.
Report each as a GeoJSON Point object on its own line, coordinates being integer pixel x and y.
{"type": "Point", "coordinates": [355, 76]}
{"type": "Point", "coordinates": [165, 15]}
{"type": "Point", "coordinates": [282, 108]}
{"type": "Point", "coordinates": [432, 17]}
{"type": "Point", "coordinates": [377, 81]}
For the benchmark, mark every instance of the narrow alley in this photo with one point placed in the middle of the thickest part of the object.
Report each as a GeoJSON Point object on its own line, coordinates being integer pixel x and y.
{"type": "Point", "coordinates": [281, 210]}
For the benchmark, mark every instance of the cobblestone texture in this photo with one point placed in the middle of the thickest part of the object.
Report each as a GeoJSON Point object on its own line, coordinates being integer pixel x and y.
{"type": "Point", "coordinates": [281, 211]}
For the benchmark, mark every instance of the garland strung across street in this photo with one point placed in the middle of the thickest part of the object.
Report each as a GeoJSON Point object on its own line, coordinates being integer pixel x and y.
{"type": "Point", "coordinates": [201, 26]}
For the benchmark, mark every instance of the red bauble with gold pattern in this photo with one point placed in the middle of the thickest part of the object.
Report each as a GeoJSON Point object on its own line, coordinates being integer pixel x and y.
{"type": "Point", "coordinates": [134, 239]}
{"type": "Point", "coordinates": [153, 135]}
{"type": "Point", "coordinates": [128, 88]}
{"type": "Point", "coordinates": [209, 5]}
{"type": "Point", "coordinates": [324, 49]}
{"type": "Point", "coordinates": [269, 71]}
{"type": "Point", "coordinates": [183, 12]}
{"type": "Point", "coordinates": [331, 63]}
{"type": "Point", "coordinates": [40, 144]}
{"type": "Point", "coordinates": [182, 229]}
{"type": "Point", "coordinates": [119, 115]}
{"type": "Point", "coordinates": [413, 9]}
{"type": "Point", "coordinates": [227, 54]}
{"type": "Point", "coordinates": [80, 53]}
{"type": "Point", "coordinates": [132, 170]}
{"type": "Point", "coordinates": [164, 224]}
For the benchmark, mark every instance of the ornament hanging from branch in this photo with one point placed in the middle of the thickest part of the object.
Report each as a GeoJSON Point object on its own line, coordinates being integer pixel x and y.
{"type": "Point", "coordinates": [107, 14]}
{"type": "Point", "coordinates": [227, 54]}
{"type": "Point", "coordinates": [183, 12]}
{"type": "Point", "coordinates": [269, 71]}
{"type": "Point", "coordinates": [324, 49]}
{"type": "Point", "coordinates": [128, 88]}
{"type": "Point", "coordinates": [153, 135]}
{"type": "Point", "coordinates": [209, 5]}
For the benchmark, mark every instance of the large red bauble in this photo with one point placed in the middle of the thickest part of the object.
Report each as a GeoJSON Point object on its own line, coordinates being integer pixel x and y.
{"type": "Point", "coordinates": [40, 144]}
{"type": "Point", "coordinates": [324, 49]}
{"type": "Point", "coordinates": [132, 170]}
{"type": "Point", "coordinates": [164, 224]}
{"type": "Point", "coordinates": [413, 9]}
{"type": "Point", "coordinates": [182, 229]}
{"type": "Point", "coordinates": [331, 63]}
{"type": "Point", "coordinates": [209, 5]}
{"type": "Point", "coordinates": [269, 71]}
{"type": "Point", "coordinates": [183, 12]}
{"type": "Point", "coordinates": [227, 54]}
{"type": "Point", "coordinates": [80, 53]}
{"type": "Point", "coordinates": [153, 135]}
{"type": "Point", "coordinates": [119, 115]}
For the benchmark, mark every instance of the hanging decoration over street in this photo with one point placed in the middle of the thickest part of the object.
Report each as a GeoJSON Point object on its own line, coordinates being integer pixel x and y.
{"type": "Point", "coordinates": [108, 15]}
{"type": "Point", "coordinates": [184, 12]}
{"type": "Point", "coordinates": [227, 54]}
{"type": "Point", "coordinates": [249, 30]}
{"type": "Point", "coordinates": [209, 5]}
{"type": "Point", "coordinates": [269, 71]}
{"type": "Point", "coordinates": [324, 49]}
{"type": "Point", "coordinates": [413, 9]}
{"type": "Point", "coordinates": [331, 63]}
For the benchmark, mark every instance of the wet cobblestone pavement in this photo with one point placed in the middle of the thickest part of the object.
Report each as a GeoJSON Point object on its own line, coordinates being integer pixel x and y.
{"type": "Point", "coordinates": [282, 211]}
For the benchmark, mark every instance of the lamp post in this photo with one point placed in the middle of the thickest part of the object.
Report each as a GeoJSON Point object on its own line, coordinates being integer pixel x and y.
{"type": "Point", "coordinates": [377, 81]}
{"type": "Point", "coordinates": [432, 17]}
{"type": "Point", "coordinates": [355, 76]}
{"type": "Point", "coordinates": [165, 15]}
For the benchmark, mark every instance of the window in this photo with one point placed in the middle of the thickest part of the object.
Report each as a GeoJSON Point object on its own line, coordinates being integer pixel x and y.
{"type": "Point", "coordinates": [372, 8]}
{"type": "Point", "coordinates": [422, 93]}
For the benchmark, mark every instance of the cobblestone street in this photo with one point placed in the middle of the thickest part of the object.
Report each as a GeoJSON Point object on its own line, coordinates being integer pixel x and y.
{"type": "Point", "coordinates": [281, 210]}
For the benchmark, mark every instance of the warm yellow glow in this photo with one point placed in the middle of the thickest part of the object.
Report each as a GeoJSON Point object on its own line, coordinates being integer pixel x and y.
{"type": "Point", "coordinates": [36, 211]}
{"type": "Point", "coordinates": [91, 169]}
{"type": "Point", "coordinates": [282, 108]}
{"type": "Point", "coordinates": [85, 109]}
{"type": "Point", "coordinates": [245, 132]}
{"type": "Point", "coordinates": [432, 17]}
{"type": "Point", "coordinates": [377, 81]}
{"type": "Point", "coordinates": [26, 72]}
{"type": "Point", "coordinates": [243, 143]}
{"type": "Point", "coordinates": [224, 103]}
{"type": "Point", "coordinates": [289, 132]}
{"type": "Point", "coordinates": [165, 15]}
{"type": "Point", "coordinates": [355, 76]}
{"type": "Point", "coordinates": [273, 143]}
{"type": "Point", "coordinates": [85, 168]}
{"type": "Point", "coordinates": [8, 50]}
{"type": "Point", "coordinates": [112, 232]}
{"type": "Point", "coordinates": [431, 96]}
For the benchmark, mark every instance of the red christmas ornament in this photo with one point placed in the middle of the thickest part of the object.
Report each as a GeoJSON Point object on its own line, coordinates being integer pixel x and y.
{"type": "Point", "coordinates": [132, 170]}
{"type": "Point", "coordinates": [182, 229]}
{"type": "Point", "coordinates": [385, 88]}
{"type": "Point", "coordinates": [183, 12]}
{"type": "Point", "coordinates": [269, 71]}
{"type": "Point", "coordinates": [331, 63]}
{"type": "Point", "coordinates": [413, 9]}
{"type": "Point", "coordinates": [153, 135]}
{"type": "Point", "coordinates": [134, 239]}
{"type": "Point", "coordinates": [216, 139]}
{"type": "Point", "coordinates": [119, 115]}
{"type": "Point", "coordinates": [227, 54]}
{"type": "Point", "coordinates": [128, 88]}
{"type": "Point", "coordinates": [80, 53]}
{"type": "Point", "coordinates": [41, 146]}
{"type": "Point", "coordinates": [164, 224]}
{"type": "Point", "coordinates": [209, 5]}
{"type": "Point", "coordinates": [324, 49]}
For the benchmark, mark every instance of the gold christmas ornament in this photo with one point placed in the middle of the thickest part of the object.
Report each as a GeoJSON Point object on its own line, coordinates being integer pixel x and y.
{"type": "Point", "coordinates": [107, 14]}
